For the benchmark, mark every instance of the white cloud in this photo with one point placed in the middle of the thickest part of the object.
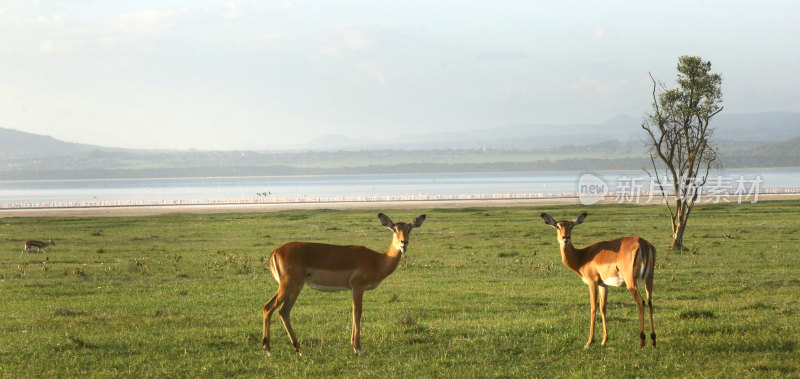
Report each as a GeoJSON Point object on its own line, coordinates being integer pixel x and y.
{"type": "Point", "coordinates": [355, 39]}
{"type": "Point", "coordinates": [604, 33]}
{"type": "Point", "coordinates": [232, 11]}
{"type": "Point", "coordinates": [348, 38]}
{"type": "Point", "coordinates": [51, 47]}
{"type": "Point", "coordinates": [149, 21]}
{"type": "Point", "coordinates": [370, 73]}
{"type": "Point", "coordinates": [502, 56]}
{"type": "Point", "coordinates": [52, 20]}
{"type": "Point", "coordinates": [600, 33]}
{"type": "Point", "coordinates": [269, 41]}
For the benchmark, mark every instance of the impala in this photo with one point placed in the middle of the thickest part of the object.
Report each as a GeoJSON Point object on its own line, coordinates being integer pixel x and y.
{"type": "Point", "coordinates": [332, 268]}
{"type": "Point", "coordinates": [39, 245]}
{"type": "Point", "coordinates": [614, 263]}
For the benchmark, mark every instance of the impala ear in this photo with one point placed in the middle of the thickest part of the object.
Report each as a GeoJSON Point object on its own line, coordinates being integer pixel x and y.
{"type": "Point", "coordinates": [417, 222]}
{"type": "Point", "coordinates": [579, 219]}
{"type": "Point", "coordinates": [385, 220]}
{"type": "Point", "coordinates": [549, 220]}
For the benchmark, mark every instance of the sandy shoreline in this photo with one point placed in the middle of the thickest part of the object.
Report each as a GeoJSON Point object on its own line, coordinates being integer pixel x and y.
{"type": "Point", "coordinates": [233, 208]}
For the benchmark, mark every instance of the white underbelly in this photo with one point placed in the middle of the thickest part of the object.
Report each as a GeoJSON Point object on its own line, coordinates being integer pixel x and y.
{"type": "Point", "coordinates": [613, 281]}
{"type": "Point", "coordinates": [324, 288]}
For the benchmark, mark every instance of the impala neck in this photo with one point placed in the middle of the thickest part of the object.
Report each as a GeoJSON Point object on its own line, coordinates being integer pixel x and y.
{"type": "Point", "coordinates": [571, 256]}
{"type": "Point", "coordinates": [391, 260]}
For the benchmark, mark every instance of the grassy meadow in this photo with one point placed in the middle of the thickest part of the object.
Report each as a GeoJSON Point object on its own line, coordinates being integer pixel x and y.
{"type": "Point", "coordinates": [481, 292]}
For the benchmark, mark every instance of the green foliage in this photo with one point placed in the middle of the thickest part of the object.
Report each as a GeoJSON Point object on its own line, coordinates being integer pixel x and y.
{"type": "Point", "coordinates": [699, 93]}
{"type": "Point", "coordinates": [481, 292]}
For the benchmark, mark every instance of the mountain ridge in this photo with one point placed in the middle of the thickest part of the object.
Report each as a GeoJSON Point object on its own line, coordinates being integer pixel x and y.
{"type": "Point", "coordinates": [44, 157]}
{"type": "Point", "coordinates": [742, 127]}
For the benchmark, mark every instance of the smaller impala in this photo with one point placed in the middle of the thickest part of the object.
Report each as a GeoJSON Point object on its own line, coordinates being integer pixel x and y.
{"type": "Point", "coordinates": [39, 245]}
{"type": "Point", "coordinates": [332, 268]}
{"type": "Point", "coordinates": [614, 263]}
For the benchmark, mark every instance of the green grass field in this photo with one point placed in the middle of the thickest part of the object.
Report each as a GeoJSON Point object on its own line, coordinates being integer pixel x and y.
{"type": "Point", "coordinates": [481, 292]}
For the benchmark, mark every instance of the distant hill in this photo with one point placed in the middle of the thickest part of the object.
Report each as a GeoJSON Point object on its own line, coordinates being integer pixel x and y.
{"type": "Point", "coordinates": [752, 127]}
{"type": "Point", "coordinates": [785, 153]}
{"type": "Point", "coordinates": [14, 142]}
{"type": "Point", "coordinates": [750, 140]}
{"type": "Point", "coordinates": [518, 136]}
{"type": "Point", "coordinates": [757, 127]}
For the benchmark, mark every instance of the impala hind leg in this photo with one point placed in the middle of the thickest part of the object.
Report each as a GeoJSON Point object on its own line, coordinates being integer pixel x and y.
{"type": "Point", "coordinates": [649, 292]}
{"type": "Point", "coordinates": [269, 308]}
{"type": "Point", "coordinates": [286, 310]}
{"type": "Point", "coordinates": [640, 304]}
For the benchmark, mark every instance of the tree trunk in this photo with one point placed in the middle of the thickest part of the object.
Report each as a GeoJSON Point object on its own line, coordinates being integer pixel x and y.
{"type": "Point", "coordinates": [677, 235]}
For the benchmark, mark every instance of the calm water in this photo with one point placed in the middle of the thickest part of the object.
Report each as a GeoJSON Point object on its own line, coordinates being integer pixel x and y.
{"type": "Point", "coordinates": [345, 187]}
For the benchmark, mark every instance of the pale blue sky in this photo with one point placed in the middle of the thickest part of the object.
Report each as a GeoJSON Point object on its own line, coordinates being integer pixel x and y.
{"type": "Point", "coordinates": [274, 74]}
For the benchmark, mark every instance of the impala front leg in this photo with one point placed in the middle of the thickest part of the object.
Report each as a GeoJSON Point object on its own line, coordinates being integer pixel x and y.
{"type": "Point", "coordinates": [593, 311]}
{"type": "Point", "coordinates": [603, 297]}
{"type": "Point", "coordinates": [355, 339]}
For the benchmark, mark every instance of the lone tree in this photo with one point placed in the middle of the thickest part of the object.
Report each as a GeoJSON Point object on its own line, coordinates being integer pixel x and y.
{"type": "Point", "coordinates": [679, 132]}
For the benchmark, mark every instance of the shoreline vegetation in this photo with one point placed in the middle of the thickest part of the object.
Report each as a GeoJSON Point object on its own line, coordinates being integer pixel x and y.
{"type": "Point", "coordinates": [244, 207]}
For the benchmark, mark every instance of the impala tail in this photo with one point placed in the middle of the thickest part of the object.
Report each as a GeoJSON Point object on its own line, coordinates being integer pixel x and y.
{"type": "Point", "coordinates": [274, 267]}
{"type": "Point", "coordinates": [645, 259]}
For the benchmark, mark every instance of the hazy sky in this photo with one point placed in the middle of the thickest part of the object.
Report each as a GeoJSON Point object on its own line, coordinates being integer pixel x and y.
{"type": "Point", "coordinates": [272, 74]}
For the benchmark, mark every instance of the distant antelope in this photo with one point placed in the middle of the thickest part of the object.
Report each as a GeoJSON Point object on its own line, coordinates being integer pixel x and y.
{"type": "Point", "coordinates": [39, 245]}
{"type": "Point", "coordinates": [332, 268]}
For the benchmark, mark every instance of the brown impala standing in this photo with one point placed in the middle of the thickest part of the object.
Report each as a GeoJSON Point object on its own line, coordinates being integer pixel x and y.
{"type": "Point", "coordinates": [332, 268]}
{"type": "Point", "coordinates": [614, 263]}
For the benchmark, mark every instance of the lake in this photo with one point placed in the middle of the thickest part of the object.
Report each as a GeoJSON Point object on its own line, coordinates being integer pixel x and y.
{"type": "Point", "coordinates": [320, 188]}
